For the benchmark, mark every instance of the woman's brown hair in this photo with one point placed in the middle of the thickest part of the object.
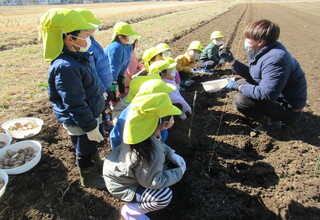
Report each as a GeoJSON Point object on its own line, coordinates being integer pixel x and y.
{"type": "Point", "coordinates": [262, 30]}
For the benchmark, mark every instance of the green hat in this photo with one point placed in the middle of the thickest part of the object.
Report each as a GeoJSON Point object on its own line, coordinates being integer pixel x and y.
{"type": "Point", "coordinates": [155, 86]}
{"type": "Point", "coordinates": [135, 84]}
{"type": "Point", "coordinates": [195, 45]}
{"type": "Point", "coordinates": [216, 34]}
{"type": "Point", "coordinates": [144, 114]}
{"type": "Point", "coordinates": [158, 66]}
{"type": "Point", "coordinates": [54, 23]}
{"type": "Point", "coordinates": [88, 15]}
{"type": "Point", "coordinates": [148, 54]}
{"type": "Point", "coordinates": [163, 47]}
{"type": "Point", "coordinates": [122, 28]}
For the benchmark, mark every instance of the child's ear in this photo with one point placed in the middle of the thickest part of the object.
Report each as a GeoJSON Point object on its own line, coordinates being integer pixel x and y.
{"type": "Point", "coordinates": [68, 39]}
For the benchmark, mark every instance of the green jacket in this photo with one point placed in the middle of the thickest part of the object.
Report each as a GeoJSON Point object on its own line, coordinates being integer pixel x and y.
{"type": "Point", "coordinates": [211, 52]}
{"type": "Point", "coordinates": [123, 174]}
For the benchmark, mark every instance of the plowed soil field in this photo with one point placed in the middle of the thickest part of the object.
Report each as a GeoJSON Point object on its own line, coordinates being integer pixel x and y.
{"type": "Point", "coordinates": [230, 173]}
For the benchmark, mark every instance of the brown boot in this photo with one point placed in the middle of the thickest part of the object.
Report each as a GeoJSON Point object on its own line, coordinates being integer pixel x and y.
{"type": "Point", "coordinates": [90, 178]}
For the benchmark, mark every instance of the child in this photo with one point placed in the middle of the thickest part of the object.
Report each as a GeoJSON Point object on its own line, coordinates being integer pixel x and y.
{"type": "Point", "coordinates": [166, 52]}
{"type": "Point", "coordinates": [99, 62]}
{"type": "Point", "coordinates": [119, 55]}
{"type": "Point", "coordinates": [167, 72]}
{"type": "Point", "coordinates": [134, 66]}
{"type": "Point", "coordinates": [74, 90]}
{"type": "Point", "coordinates": [146, 85]}
{"type": "Point", "coordinates": [151, 55]}
{"type": "Point", "coordinates": [187, 62]}
{"type": "Point", "coordinates": [210, 55]}
{"type": "Point", "coordinates": [136, 170]}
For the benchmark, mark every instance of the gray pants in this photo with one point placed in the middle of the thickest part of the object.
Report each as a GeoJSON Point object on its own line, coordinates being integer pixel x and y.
{"type": "Point", "coordinates": [258, 110]}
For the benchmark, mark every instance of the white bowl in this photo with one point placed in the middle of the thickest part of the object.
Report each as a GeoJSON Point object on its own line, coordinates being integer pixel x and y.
{"type": "Point", "coordinates": [29, 165]}
{"type": "Point", "coordinates": [3, 176]}
{"type": "Point", "coordinates": [215, 85]}
{"type": "Point", "coordinates": [5, 138]}
{"type": "Point", "coordinates": [26, 133]}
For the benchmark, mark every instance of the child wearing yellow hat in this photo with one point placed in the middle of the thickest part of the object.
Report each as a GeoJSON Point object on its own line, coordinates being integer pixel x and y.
{"type": "Point", "coordinates": [166, 69]}
{"type": "Point", "coordinates": [141, 84]}
{"type": "Point", "coordinates": [186, 63]}
{"type": "Point", "coordinates": [99, 61]}
{"type": "Point", "coordinates": [136, 170]}
{"type": "Point", "coordinates": [210, 55]}
{"type": "Point", "coordinates": [166, 52]}
{"type": "Point", "coordinates": [119, 55]}
{"type": "Point", "coordinates": [74, 90]}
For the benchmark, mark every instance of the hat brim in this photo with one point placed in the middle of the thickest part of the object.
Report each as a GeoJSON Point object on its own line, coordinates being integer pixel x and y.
{"type": "Point", "coordinates": [172, 111]}
{"type": "Point", "coordinates": [172, 65]}
{"type": "Point", "coordinates": [96, 22]}
{"type": "Point", "coordinates": [138, 128]}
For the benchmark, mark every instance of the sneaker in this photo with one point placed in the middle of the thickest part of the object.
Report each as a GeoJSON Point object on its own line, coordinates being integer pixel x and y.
{"type": "Point", "coordinates": [184, 83]}
{"type": "Point", "coordinates": [271, 126]}
{"type": "Point", "coordinates": [190, 81]}
{"type": "Point", "coordinates": [207, 70]}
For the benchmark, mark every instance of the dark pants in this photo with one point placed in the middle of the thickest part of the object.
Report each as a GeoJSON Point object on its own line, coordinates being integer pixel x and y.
{"type": "Point", "coordinates": [120, 81]}
{"type": "Point", "coordinates": [84, 149]}
{"type": "Point", "coordinates": [258, 110]}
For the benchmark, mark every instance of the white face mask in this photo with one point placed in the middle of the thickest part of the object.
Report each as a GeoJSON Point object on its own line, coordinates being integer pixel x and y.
{"type": "Point", "coordinates": [218, 43]}
{"type": "Point", "coordinates": [96, 32]}
{"type": "Point", "coordinates": [131, 40]}
{"type": "Point", "coordinates": [86, 48]}
{"type": "Point", "coordinates": [166, 53]}
{"type": "Point", "coordinates": [173, 73]}
{"type": "Point", "coordinates": [194, 55]}
{"type": "Point", "coordinates": [251, 52]}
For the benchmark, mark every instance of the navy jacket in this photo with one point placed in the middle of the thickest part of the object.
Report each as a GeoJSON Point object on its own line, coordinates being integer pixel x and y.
{"type": "Point", "coordinates": [275, 74]}
{"type": "Point", "coordinates": [119, 56]}
{"type": "Point", "coordinates": [74, 90]}
{"type": "Point", "coordinates": [99, 62]}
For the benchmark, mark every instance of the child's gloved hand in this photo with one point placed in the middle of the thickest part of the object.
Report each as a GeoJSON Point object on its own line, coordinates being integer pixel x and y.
{"type": "Point", "coordinates": [183, 116]}
{"type": "Point", "coordinates": [105, 95]}
{"type": "Point", "coordinates": [95, 135]}
{"type": "Point", "coordinates": [189, 111]}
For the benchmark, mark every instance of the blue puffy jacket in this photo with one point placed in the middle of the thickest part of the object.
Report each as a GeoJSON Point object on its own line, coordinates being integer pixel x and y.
{"type": "Point", "coordinates": [119, 56]}
{"type": "Point", "coordinates": [99, 62]}
{"type": "Point", "coordinates": [74, 91]}
{"type": "Point", "coordinates": [276, 75]}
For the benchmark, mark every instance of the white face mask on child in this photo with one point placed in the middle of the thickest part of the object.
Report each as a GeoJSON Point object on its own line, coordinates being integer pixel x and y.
{"type": "Point", "coordinates": [218, 43]}
{"type": "Point", "coordinates": [96, 32]}
{"type": "Point", "coordinates": [173, 73]}
{"type": "Point", "coordinates": [131, 40]}
{"type": "Point", "coordinates": [86, 48]}
{"type": "Point", "coordinates": [166, 53]}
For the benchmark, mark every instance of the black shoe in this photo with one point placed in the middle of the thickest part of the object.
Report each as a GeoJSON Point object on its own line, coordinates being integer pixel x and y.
{"type": "Point", "coordinates": [271, 126]}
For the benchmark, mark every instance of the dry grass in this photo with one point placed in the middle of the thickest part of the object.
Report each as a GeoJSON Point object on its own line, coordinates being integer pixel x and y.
{"type": "Point", "coordinates": [23, 71]}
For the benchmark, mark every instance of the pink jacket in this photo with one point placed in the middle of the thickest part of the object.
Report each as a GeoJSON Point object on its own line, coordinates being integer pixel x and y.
{"type": "Point", "coordinates": [134, 67]}
{"type": "Point", "coordinates": [176, 97]}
